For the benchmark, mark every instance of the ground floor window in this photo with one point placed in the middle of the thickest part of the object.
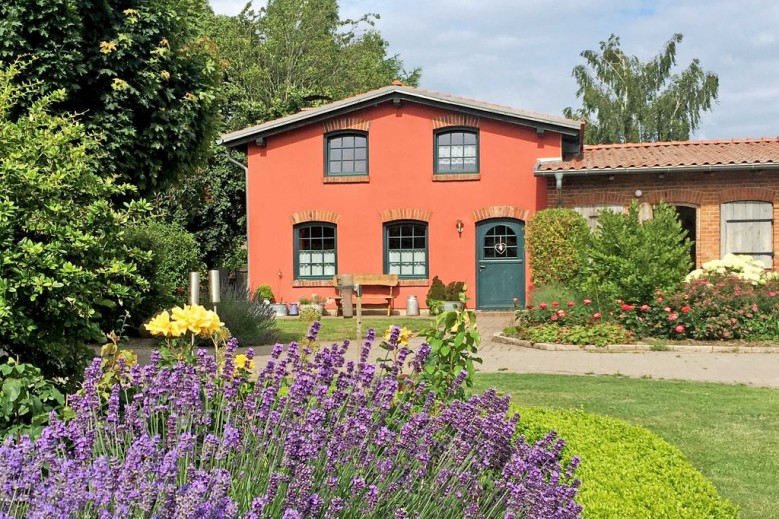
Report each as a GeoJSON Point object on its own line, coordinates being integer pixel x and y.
{"type": "Point", "coordinates": [405, 249]}
{"type": "Point", "coordinates": [748, 228]}
{"type": "Point", "coordinates": [315, 250]}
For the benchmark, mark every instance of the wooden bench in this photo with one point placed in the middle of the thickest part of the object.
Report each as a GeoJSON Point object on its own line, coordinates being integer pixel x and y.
{"type": "Point", "coordinates": [377, 289]}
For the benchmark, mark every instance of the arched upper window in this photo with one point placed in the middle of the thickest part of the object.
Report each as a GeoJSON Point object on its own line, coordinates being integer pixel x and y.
{"type": "Point", "coordinates": [315, 250]}
{"type": "Point", "coordinates": [346, 154]}
{"type": "Point", "coordinates": [457, 151]}
{"type": "Point", "coordinates": [405, 249]}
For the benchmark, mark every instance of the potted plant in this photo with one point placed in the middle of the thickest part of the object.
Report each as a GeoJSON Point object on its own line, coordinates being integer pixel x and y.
{"type": "Point", "coordinates": [314, 302]}
{"type": "Point", "coordinates": [265, 294]}
{"type": "Point", "coordinates": [444, 298]}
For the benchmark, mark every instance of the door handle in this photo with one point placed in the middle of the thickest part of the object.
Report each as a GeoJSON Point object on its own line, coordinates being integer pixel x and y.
{"type": "Point", "coordinates": [482, 267]}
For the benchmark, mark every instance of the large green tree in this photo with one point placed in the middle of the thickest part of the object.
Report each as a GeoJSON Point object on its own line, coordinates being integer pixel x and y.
{"type": "Point", "coordinates": [64, 265]}
{"type": "Point", "coordinates": [627, 100]}
{"type": "Point", "coordinates": [139, 72]}
{"type": "Point", "coordinates": [284, 57]}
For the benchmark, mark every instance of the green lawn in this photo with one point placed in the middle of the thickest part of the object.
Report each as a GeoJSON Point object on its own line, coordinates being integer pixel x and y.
{"type": "Point", "coordinates": [338, 328]}
{"type": "Point", "coordinates": [729, 432]}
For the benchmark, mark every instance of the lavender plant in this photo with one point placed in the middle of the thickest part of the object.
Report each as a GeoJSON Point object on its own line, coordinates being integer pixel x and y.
{"type": "Point", "coordinates": [313, 436]}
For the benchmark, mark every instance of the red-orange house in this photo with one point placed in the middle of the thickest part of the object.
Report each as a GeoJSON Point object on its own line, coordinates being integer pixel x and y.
{"type": "Point", "coordinates": [398, 180]}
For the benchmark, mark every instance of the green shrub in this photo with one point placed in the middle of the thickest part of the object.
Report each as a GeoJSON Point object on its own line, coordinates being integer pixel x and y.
{"type": "Point", "coordinates": [64, 266]}
{"type": "Point", "coordinates": [553, 292]}
{"type": "Point", "coordinates": [309, 314]}
{"type": "Point", "coordinates": [174, 254]}
{"type": "Point", "coordinates": [26, 399]}
{"type": "Point", "coordinates": [600, 334]}
{"type": "Point", "coordinates": [626, 470]}
{"type": "Point", "coordinates": [265, 293]}
{"type": "Point", "coordinates": [630, 260]}
{"type": "Point", "coordinates": [556, 244]}
{"type": "Point", "coordinates": [453, 290]}
{"type": "Point", "coordinates": [436, 292]}
{"type": "Point", "coordinates": [249, 320]}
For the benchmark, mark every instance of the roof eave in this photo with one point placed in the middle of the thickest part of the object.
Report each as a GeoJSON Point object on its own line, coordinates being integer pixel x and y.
{"type": "Point", "coordinates": [300, 119]}
{"type": "Point", "coordinates": [710, 168]}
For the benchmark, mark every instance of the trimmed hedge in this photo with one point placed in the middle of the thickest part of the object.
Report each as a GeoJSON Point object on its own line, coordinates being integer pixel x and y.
{"type": "Point", "coordinates": [626, 470]}
{"type": "Point", "coordinates": [557, 244]}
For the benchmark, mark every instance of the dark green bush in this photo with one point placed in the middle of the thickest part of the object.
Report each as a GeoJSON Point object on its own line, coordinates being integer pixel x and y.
{"type": "Point", "coordinates": [26, 399]}
{"type": "Point", "coordinates": [453, 289]}
{"type": "Point", "coordinates": [630, 260]}
{"type": "Point", "coordinates": [626, 470]}
{"type": "Point", "coordinates": [436, 292]}
{"type": "Point", "coordinates": [174, 254]}
{"type": "Point", "coordinates": [249, 320]}
{"type": "Point", "coordinates": [556, 245]}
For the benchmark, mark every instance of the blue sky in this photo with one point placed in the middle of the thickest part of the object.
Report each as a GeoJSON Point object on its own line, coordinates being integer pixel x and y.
{"type": "Point", "coordinates": [521, 52]}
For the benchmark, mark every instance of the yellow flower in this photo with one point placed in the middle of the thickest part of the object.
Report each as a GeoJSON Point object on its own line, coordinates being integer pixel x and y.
{"type": "Point", "coordinates": [161, 325]}
{"type": "Point", "coordinates": [403, 337]}
{"type": "Point", "coordinates": [243, 362]}
{"type": "Point", "coordinates": [197, 319]}
{"type": "Point", "coordinates": [107, 47]}
{"type": "Point", "coordinates": [165, 75]}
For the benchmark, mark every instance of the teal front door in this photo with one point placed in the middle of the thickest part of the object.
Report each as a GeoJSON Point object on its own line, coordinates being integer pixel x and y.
{"type": "Point", "coordinates": [500, 263]}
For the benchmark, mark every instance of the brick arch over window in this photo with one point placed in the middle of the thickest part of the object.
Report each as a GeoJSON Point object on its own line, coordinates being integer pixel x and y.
{"type": "Point", "coordinates": [599, 199]}
{"type": "Point", "coordinates": [422, 215]}
{"type": "Point", "coordinates": [444, 121]}
{"type": "Point", "coordinates": [501, 211]}
{"type": "Point", "coordinates": [314, 216]}
{"type": "Point", "coordinates": [758, 194]}
{"type": "Point", "coordinates": [346, 123]}
{"type": "Point", "coordinates": [675, 196]}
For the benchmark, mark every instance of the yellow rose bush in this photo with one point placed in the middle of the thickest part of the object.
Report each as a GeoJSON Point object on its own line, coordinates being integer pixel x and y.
{"type": "Point", "coordinates": [181, 326]}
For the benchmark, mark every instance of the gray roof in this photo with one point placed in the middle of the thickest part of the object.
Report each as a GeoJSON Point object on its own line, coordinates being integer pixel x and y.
{"type": "Point", "coordinates": [389, 93]}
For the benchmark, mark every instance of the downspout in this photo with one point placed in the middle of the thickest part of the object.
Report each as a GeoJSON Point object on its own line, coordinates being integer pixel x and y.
{"type": "Point", "coordinates": [228, 152]}
{"type": "Point", "coordinates": [558, 178]}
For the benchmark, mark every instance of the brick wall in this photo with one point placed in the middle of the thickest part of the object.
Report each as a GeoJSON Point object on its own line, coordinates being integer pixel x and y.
{"type": "Point", "coordinates": [704, 191]}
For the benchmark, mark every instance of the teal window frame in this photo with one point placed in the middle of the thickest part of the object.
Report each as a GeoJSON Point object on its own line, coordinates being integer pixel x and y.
{"type": "Point", "coordinates": [339, 155]}
{"type": "Point", "coordinates": [304, 233]}
{"type": "Point", "coordinates": [437, 145]}
{"type": "Point", "coordinates": [394, 235]}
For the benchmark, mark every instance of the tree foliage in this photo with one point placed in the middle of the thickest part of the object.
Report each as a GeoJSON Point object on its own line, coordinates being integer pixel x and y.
{"type": "Point", "coordinates": [630, 259]}
{"type": "Point", "coordinates": [627, 100]}
{"type": "Point", "coordinates": [284, 57]}
{"type": "Point", "coordinates": [63, 262]}
{"type": "Point", "coordinates": [139, 72]}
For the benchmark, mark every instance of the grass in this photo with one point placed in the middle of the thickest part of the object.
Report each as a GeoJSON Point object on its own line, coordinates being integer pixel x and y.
{"type": "Point", "coordinates": [338, 328]}
{"type": "Point", "coordinates": [728, 432]}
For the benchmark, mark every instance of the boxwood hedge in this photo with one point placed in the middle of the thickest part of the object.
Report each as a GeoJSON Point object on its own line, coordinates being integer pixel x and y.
{"type": "Point", "coordinates": [626, 470]}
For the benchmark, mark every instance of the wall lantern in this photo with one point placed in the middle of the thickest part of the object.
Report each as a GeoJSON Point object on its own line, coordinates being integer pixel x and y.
{"type": "Point", "coordinates": [459, 225]}
{"type": "Point", "coordinates": [638, 193]}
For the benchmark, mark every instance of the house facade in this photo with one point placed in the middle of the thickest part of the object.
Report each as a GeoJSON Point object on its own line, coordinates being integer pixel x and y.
{"type": "Point", "coordinates": [724, 191]}
{"type": "Point", "coordinates": [399, 180]}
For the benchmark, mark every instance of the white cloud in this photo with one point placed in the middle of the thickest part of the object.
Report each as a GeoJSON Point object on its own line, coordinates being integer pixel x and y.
{"type": "Point", "coordinates": [521, 52]}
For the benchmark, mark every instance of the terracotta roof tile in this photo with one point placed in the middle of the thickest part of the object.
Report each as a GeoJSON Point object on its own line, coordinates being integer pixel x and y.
{"type": "Point", "coordinates": [719, 153]}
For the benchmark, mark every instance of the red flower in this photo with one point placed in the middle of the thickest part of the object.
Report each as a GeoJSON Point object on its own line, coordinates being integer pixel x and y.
{"type": "Point", "coordinates": [542, 306]}
{"type": "Point", "coordinates": [679, 328]}
{"type": "Point", "coordinates": [644, 308]}
{"type": "Point", "coordinates": [555, 304]}
{"type": "Point", "coordinates": [587, 302]}
{"type": "Point", "coordinates": [627, 308]}
{"type": "Point", "coordinates": [667, 309]}
{"type": "Point", "coordinates": [771, 294]}
{"type": "Point", "coordinates": [685, 309]}
{"type": "Point", "coordinates": [754, 307]}
{"type": "Point", "coordinates": [596, 315]}
{"type": "Point", "coordinates": [179, 290]}
{"type": "Point", "coordinates": [561, 313]}
{"type": "Point", "coordinates": [554, 317]}
{"type": "Point", "coordinates": [659, 299]}
{"type": "Point", "coordinates": [672, 317]}
{"type": "Point", "coordinates": [571, 303]}
{"type": "Point", "coordinates": [530, 307]}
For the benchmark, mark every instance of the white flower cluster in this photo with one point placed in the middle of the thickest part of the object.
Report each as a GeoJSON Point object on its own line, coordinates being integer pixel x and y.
{"type": "Point", "coordinates": [742, 266]}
